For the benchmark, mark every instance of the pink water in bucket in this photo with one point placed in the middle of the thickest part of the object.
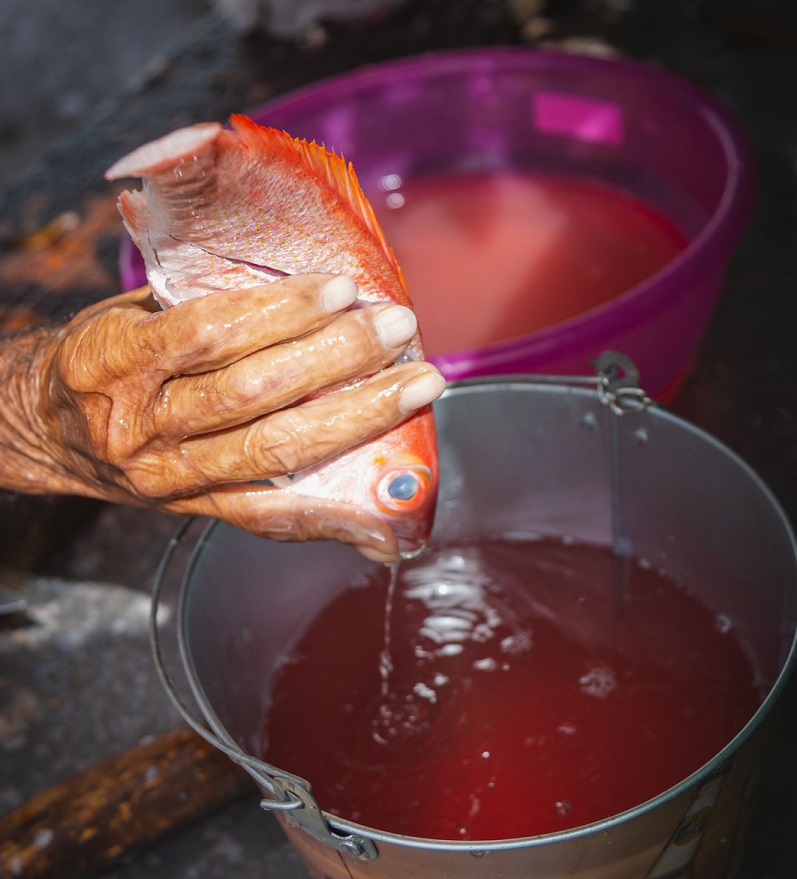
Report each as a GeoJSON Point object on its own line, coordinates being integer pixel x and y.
{"type": "Point", "coordinates": [582, 203]}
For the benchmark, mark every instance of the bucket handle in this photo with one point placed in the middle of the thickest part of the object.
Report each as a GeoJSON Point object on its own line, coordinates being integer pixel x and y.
{"type": "Point", "coordinates": [291, 797]}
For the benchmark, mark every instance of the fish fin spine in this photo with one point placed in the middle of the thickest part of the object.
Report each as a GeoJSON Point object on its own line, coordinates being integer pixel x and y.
{"type": "Point", "coordinates": [330, 167]}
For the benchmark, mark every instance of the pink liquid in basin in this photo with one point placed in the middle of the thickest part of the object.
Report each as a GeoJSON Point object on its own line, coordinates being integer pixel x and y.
{"type": "Point", "coordinates": [491, 257]}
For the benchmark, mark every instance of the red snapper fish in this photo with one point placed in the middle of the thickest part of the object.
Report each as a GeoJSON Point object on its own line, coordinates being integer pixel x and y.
{"type": "Point", "coordinates": [227, 209]}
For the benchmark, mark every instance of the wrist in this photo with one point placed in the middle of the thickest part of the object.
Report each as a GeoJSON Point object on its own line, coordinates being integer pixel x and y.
{"type": "Point", "coordinates": [28, 451]}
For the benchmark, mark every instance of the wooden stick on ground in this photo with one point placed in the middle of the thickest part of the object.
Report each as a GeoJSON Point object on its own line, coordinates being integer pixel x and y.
{"type": "Point", "coordinates": [82, 825]}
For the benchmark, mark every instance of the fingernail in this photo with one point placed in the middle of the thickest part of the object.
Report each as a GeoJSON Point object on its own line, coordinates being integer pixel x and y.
{"type": "Point", "coordinates": [395, 325]}
{"type": "Point", "coordinates": [337, 294]}
{"type": "Point", "coordinates": [422, 390]}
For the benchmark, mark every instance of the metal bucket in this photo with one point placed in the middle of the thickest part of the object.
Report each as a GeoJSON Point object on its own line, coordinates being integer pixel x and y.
{"type": "Point", "coordinates": [515, 454]}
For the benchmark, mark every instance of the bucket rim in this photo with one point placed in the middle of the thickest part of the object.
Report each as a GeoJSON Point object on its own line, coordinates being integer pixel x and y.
{"type": "Point", "coordinates": [200, 531]}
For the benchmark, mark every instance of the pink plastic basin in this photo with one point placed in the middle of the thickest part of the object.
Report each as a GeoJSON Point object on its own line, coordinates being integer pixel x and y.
{"type": "Point", "coordinates": [635, 128]}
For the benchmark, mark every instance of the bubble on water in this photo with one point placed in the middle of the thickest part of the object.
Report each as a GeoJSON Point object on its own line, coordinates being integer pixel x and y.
{"type": "Point", "coordinates": [563, 808]}
{"type": "Point", "coordinates": [598, 682]}
{"type": "Point", "coordinates": [723, 624]}
{"type": "Point", "coordinates": [487, 664]}
{"type": "Point", "coordinates": [450, 650]}
{"type": "Point", "coordinates": [420, 689]}
{"type": "Point", "coordinates": [520, 642]}
{"type": "Point", "coordinates": [567, 729]}
{"type": "Point", "coordinates": [486, 755]}
{"type": "Point", "coordinates": [399, 719]}
{"type": "Point", "coordinates": [482, 633]}
{"type": "Point", "coordinates": [385, 664]}
{"type": "Point", "coordinates": [440, 680]}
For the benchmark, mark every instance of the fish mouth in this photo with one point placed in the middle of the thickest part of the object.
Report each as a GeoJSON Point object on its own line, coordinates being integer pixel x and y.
{"type": "Point", "coordinates": [411, 549]}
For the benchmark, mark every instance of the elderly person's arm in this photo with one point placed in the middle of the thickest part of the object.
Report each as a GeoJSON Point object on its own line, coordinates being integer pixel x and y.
{"type": "Point", "coordinates": [185, 409]}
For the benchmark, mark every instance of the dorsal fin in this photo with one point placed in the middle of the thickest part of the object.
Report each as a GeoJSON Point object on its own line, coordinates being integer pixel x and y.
{"type": "Point", "coordinates": [329, 167]}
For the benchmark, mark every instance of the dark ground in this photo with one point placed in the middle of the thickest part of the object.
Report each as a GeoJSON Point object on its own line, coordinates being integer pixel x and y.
{"type": "Point", "coordinates": [62, 60]}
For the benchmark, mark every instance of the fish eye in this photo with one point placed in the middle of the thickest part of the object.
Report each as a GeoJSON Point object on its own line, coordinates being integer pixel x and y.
{"type": "Point", "coordinates": [404, 489]}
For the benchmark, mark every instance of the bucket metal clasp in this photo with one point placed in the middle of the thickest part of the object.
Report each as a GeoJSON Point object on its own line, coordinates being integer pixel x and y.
{"type": "Point", "coordinates": [618, 384]}
{"type": "Point", "coordinates": [298, 807]}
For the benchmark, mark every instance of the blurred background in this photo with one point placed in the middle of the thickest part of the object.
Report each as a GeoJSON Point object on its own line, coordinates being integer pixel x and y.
{"type": "Point", "coordinates": [62, 60]}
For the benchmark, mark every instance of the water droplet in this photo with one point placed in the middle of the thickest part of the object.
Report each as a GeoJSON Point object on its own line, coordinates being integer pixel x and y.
{"type": "Point", "coordinates": [563, 808]}
{"type": "Point", "coordinates": [43, 837]}
{"type": "Point", "coordinates": [485, 755]}
{"type": "Point", "coordinates": [641, 435]}
{"type": "Point", "coordinates": [589, 421]}
{"type": "Point", "coordinates": [487, 664]}
{"type": "Point", "coordinates": [723, 624]}
{"type": "Point", "coordinates": [478, 853]}
{"type": "Point", "coordinates": [390, 182]}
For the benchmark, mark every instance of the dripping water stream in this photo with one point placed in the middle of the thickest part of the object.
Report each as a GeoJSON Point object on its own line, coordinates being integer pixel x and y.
{"type": "Point", "coordinates": [386, 656]}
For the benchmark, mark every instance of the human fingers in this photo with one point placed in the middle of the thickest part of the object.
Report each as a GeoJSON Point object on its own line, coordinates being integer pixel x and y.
{"type": "Point", "coordinates": [213, 331]}
{"type": "Point", "coordinates": [357, 343]}
{"type": "Point", "coordinates": [285, 441]}
{"type": "Point", "coordinates": [134, 340]}
{"type": "Point", "coordinates": [285, 516]}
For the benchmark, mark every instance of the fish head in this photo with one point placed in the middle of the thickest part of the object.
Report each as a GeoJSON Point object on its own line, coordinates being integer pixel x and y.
{"type": "Point", "coordinates": [394, 477]}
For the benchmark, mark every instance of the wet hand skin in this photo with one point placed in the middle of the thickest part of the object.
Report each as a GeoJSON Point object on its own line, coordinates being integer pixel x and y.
{"type": "Point", "coordinates": [183, 409]}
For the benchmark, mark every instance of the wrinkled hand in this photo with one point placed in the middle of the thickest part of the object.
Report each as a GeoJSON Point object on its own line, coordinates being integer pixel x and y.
{"type": "Point", "coordinates": [184, 409]}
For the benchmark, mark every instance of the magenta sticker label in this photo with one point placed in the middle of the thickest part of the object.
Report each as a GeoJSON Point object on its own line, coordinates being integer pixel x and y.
{"type": "Point", "coordinates": [584, 119]}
